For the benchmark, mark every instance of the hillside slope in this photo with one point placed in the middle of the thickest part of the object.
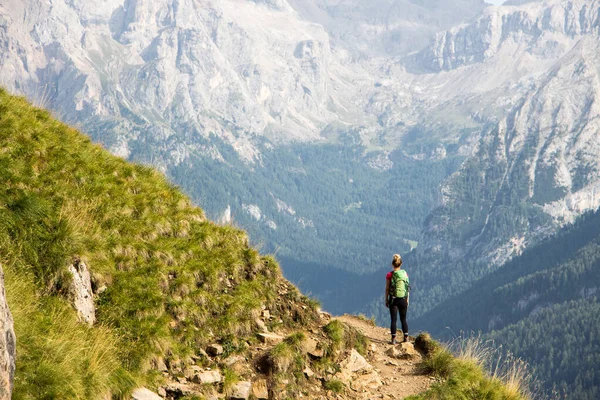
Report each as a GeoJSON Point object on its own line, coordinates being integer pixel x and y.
{"type": "Point", "coordinates": [167, 281]}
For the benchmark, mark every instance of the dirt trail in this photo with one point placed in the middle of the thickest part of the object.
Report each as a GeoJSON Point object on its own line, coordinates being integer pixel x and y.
{"type": "Point", "coordinates": [400, 377]}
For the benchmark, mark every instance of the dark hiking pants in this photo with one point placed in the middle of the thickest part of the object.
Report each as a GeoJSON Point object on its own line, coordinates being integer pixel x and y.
{"type": "Point", "coordinates": [399, 305]}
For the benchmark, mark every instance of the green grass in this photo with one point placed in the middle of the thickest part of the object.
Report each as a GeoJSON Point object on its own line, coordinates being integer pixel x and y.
{"type": "Point", "coordinates": [175, 281]}
{"type": "Point", "coordinates": [334, 385]}
{"type": "Point", "coordinates": [472, 373]}
{"type": "Point", "coordinates": [344, 337]}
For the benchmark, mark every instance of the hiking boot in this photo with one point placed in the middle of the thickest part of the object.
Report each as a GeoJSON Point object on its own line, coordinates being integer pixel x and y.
{"type": "Point", "coordinates": [406, 339]}
{"type": "Point", "coordinates": [393, 341]}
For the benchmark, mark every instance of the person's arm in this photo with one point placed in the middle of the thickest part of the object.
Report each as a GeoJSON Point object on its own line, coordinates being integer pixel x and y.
{"type": "Point", "coordinates": [408, 293]}
{"type": "Point", "coordinates": [387, 292]}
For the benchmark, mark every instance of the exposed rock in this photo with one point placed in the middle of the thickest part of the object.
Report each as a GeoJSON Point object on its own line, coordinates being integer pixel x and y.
{"type": "Point", "coordinates": [80, 292]}
{"type": "Point", "coordinates": [260, 324]}
{"type": "Point", "coordinates": [191, 371]}
{"type": "Point", "coordinates": [159, 365]}
{"type": "Point", "coordinates": [144, 394]}
{"type": "Point", "coordinates": [240, 391]}
{"type": "Point", "coordinates": [214, 349]}
{"type": "Point", "coordinates": [270, 338]}
{"type": "Point", "coordinates": [208, 377]}
{"type": "Point", "coordinates": [7, 345]}
{"type": "Point", "coordinates": [355, 362]}
{"type": "Point", "coordinates": [235, 359]}
{"type": "Point", "coordinates": [403, 351]}
{"type": "Point", "coordinates": [260, 389]}
{"type": "Point", "coordinates": [313, 348]}
{"type": "Point", "coordinates": [370, 381]}
{"type": "Point", "coordinates": [180, 389]}
{"type": "Point", "coordinates": [308, 372]}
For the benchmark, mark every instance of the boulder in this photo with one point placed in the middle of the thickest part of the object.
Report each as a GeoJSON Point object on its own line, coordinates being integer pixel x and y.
{"type": "Point", "coordinates": [7, 345]}
{"type": "Point", "coordinates": [191, 371]}
{"type": "Point", "coordinates": [80, 292]}
{"type": "Point", "coordinates": [159, 365]}
{"type": "Point", "coordinates": [144, 394]}
{"type": "Point", "coordinates": [260, 389]}
{"type": "Point", "coordinates": [214, 349]}
{"type": "Point", "coordinates": [403, 351]}
{"type": "Point", "coordinates": [208, 377]}
{"type": "Point", "coordinates": [260, 324]}
{"type": "Point", "coordinates": [313, 348]}
{"type": "Point", "coordinates": [240, 391]}
{"type": "Point", "coordinates": [270, 338]}
{"type": "Point", "coordinates": [351, 365]}
{"type": "Point", "coordinates": [235, 359]}
{"type": "Point", "coordinates": [355, 362]}
{"type": "Point", "coordinates": [308, 372]}
{"type": "Point", "coordinates": [177, 390]}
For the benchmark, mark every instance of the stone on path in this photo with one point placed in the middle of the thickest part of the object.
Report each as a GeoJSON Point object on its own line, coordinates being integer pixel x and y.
{"type": "Point", "coordinates": [371, 381]}
{"type": "Point", "coordinates": [404, 351]}
{"type": "Point", "coordinates": [355, 362]}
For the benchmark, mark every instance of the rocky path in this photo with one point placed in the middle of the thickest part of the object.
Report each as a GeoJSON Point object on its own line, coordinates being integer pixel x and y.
{"type": "Point", "coordinates": [399, 376]}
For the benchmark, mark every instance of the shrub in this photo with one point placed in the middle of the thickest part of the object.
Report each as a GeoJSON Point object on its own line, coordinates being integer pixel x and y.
{"type": "Point", "coordinates": [465, 375]}
{"type": "Point", "coordinates": [334, 385]}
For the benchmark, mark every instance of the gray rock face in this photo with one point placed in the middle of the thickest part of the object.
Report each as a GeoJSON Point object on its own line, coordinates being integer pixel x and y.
{"type": "Point", "coordinates": [538, 165]}
{"type": "Point", "coordinates": [81, 293]}
{"type": "Point", "coordinates": [543, 27]}
{"type": "Point", "coordinates": [7, 345]}
{"type": "Point", "coordinates": [178, 73]}
{"type": "Point", "coordinates": [385, 27]}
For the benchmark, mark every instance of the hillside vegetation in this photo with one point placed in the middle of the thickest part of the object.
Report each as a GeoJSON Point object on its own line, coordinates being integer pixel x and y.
{"type": "Point", "coordinates": [174, 281]}
{"type": "Point", "coordinates": [541, 306]}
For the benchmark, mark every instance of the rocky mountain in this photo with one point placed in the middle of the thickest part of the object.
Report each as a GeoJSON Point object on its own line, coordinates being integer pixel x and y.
{"type": "Point", "coordinates": [537, 167]}
{"type": "Point", "coordinates": [180, 72]}
{"type": "Point", "coordinates": [385, 28]}
{"type": "Point", "coordinates": [175, 70]}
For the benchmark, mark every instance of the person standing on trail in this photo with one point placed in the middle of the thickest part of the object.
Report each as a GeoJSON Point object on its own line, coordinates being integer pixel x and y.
{"type": "Point", "coordinates": [396, 296]}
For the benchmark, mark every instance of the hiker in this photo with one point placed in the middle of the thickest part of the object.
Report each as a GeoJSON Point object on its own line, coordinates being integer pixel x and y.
{"type": "Point", "coordinates": [396, 296]}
